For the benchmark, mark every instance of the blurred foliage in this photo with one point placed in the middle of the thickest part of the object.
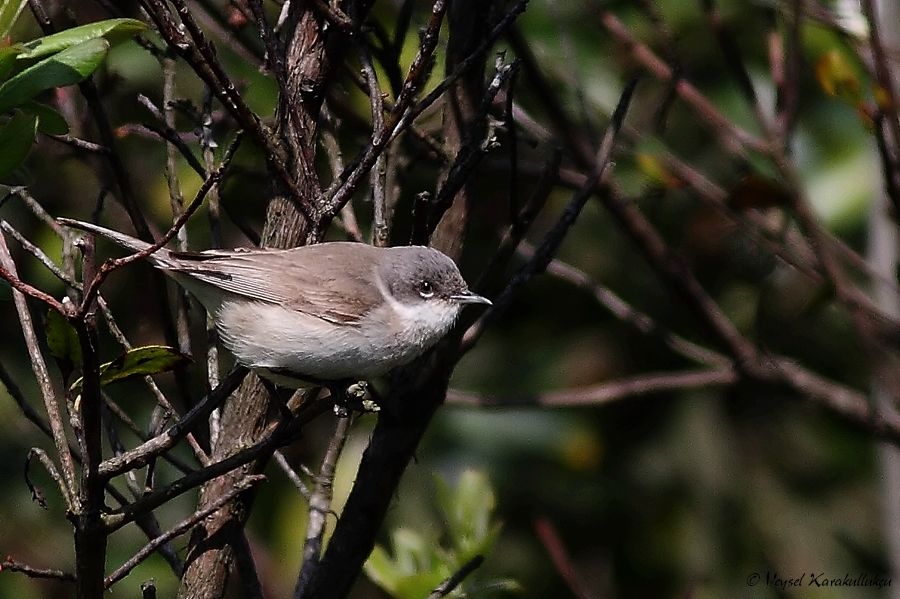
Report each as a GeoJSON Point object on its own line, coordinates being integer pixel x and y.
{"type": "Point", "coordinates": [674, 494]}
{"type": "Point", "coordinates": [416, 565]}
{"type": "Point", "coordinates": [31, 68]}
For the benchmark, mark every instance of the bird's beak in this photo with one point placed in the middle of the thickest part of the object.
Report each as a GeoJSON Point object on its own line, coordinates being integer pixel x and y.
{"type": "Point", "coordinates": [467, 297]}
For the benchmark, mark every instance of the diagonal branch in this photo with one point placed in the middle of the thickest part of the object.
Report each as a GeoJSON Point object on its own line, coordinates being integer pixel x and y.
{"type": "Point", "coordinates": [213, 180]}
{"type": "Point", "coordinates": [179, 529]}
{"type": "Point", "coordinates": [39, 366]}
{"type": "Point", "coordinates": [320, 505]}
{"type": "Point", "coordinates": [603, 393]}
{"type": "Point", "coordinates": [599, 171]}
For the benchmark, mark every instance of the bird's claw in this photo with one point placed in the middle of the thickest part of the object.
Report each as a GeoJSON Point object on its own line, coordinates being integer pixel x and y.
{"type": "Point", "coordinates": [353, 399]}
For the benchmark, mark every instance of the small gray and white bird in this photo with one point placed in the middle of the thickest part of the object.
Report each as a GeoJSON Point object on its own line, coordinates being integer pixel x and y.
{"type": "Point", "coordinates": [335, 311]}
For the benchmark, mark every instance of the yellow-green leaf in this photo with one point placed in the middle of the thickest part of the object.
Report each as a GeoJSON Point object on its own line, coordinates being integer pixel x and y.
{"type": "Point", "coordinates": [654, 169]}
{"type": "Point", "coordinates": [837, 77]}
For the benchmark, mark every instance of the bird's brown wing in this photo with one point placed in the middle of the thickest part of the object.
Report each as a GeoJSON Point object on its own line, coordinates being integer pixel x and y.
{"type": "Point", "coordinates": [334, 281]}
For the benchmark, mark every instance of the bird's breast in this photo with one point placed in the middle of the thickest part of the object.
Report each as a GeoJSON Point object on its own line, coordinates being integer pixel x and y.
{"type": "Point", "coordinates": [263, 335]}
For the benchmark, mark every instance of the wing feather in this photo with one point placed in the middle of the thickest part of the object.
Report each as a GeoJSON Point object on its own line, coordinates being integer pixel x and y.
{"type": "Point", "coordinates": [333, 281]}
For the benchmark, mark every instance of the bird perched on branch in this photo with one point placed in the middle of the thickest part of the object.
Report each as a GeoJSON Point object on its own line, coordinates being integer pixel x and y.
{"type": "Point", "coordinates": [337, 311]}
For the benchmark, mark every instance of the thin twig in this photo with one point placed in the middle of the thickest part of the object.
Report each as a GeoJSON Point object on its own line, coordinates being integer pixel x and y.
{"type": "Point", "coordinates": [556, 235]}
{"type": "Point", "coordinates": [602, 393]}
{"type": "Point", "coordinates": [292, 474]}
{"type": "Point", "coordinates": [39, 254]}
{"type": "Point", "coordinates": [732, 137]}
{"type": "Point", "coordinates": [320, 505]}
{"type": "Point", "coordinates": [274, 55]}
{"type": "Point", "coordinates": [628, 313]}
{"type": "Point", "coordinates": [275, 435]}
{"type": "Point", "coordinates": [166, 127]}
{"type": "Point", "coordinates": [473, 148]}
{"type": "Point", "coordinates": [521, 222]}
{"type": "Point", "coordinates": [138, 457]}
{"type": "Point", "coordinates": [404, 113]}
{"type": "Point", "coordinates": [560, 557]}
{"type": "Point", "coordinates": [39, 366]}
{"type": "Point", "coordinates": [199, 54]}
{"type": "Point", "coordinates": [342, 188]}
{"type": "Point", "coordinates": [50, 467]}
{"type": "Point", "coordinates": [885, 78]}
{"type": "Point", "coordinates": [81, 144]}
{"type": "Point", "coordinates": [447, 587]}
{"type": "Point", "coordinates": [8, 274]}
{"type": "Point", "coordinates": [110, 265]}
{"type": "Point", "coordinates": [179, 529]}
{"type": "Point", "coordinates": [13, 566]}
{"type": "Point", "coordinates": [381, 219]}
{"type": "Point", "coordinates": [16, 393]}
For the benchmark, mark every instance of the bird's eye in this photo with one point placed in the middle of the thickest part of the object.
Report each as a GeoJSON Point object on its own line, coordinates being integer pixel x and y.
{"type": "Point", "coordinates": [426, 290]}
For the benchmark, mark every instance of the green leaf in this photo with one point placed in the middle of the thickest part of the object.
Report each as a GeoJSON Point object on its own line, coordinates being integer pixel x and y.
{"type": "Point", "coordinates": [413, 571]}
{"type": "Point", "coordinates": [9, 12]}
{"type": "Point", "coordinates": [16, 139]}
{"type": "Point", "coordinates": [421, 584]}
{"type": "Point", "coordinates": [8, 59]}
{"type": "Point", "coordinates": [72, 65]}
{"type": "Point", "coordinates": [469, 509]}
{"type": "Point", "coordinates": [49, 121]}
{"type": "Point", "coordinates": [139, 361]}
{"type": "Point", "coordinates": [62, 338]}
{"type": "Point", "coordinates": [382, 570]}
{"type": "Point", "coordinates": [113, 31]}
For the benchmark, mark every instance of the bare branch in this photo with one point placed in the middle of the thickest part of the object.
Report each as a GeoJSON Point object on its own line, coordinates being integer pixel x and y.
{"type": "Point", "coordinates": [292, 475]}
{"type": "Point", "coordinates": [556, 235]}
{"type": "Point", "coordinates": [490, 278]}
{"type": "Point", "coordinates": [13, 566]}
{"type": "Point", "coordinates": [404, 113]}
{"type": "Point", "coordinates": [560, 557]}
{"type": "Point", "coordinates": [381, 220]}
{"type": "Point", "coordinates": [603, 393]}
{"type": "Point", "coordinates": [320, 505]}
{"type": "Point", "coordinates": [732, 137]}
{"type": "Point", "coordinates": [8, 273]}
{"type": "Point", "coordinates": [629, 314]}
{"type": "Point", "coordinates": [50, 467]}
{"type": "Point", "coordinates": [108, 267]}
{"type": "Point", "coordinates": [276, 435]}
{"type": "Point", "coordinates": [39, 366]}
{"type": "Point", "coordinates": [155, 446]}
{"type": "Point", "coordinates": [179, 529]}
{"type": "Point", "coordinates": [199, 54]}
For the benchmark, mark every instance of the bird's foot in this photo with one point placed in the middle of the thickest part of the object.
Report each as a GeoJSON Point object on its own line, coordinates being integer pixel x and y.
{"type": "Point", "coordinates": [353, 399]}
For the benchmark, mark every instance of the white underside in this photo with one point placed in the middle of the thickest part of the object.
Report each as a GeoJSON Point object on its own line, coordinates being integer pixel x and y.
{"type": "Point", "coordinates": [268, 336]}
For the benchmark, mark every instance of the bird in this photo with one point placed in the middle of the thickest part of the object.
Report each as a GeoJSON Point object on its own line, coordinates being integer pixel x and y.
{"type": "Point", "coordinates": [331, 312]}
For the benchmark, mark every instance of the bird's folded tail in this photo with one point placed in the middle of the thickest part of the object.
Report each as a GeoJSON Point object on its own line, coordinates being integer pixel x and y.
{"type": "Point", "coordinates": [126, 241]}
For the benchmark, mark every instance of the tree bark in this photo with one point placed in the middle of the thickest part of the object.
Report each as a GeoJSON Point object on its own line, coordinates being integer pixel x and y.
{"type": "Point", "coordinates": [245, 414]}
{"type": "Point", "coordinates": [417, 390]}
{"type": "Point", "coordinates": [469, 22]}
